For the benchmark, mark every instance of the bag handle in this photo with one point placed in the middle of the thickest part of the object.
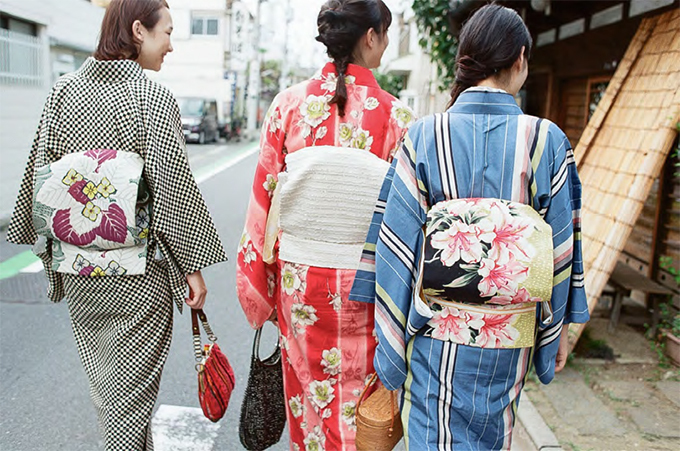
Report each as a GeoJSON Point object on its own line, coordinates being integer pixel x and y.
{"type": "Point", "coordinates": [197, 314]}
{"type": "Point", "coordinates": [256, 347]}
{"type": "Point", "coordinates": [393, 395]}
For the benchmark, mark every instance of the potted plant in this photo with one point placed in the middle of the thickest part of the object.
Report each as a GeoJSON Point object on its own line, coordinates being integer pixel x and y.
{"type": "Point", "coordinates": [670, 330]}
{"type": "Point", "coordinates": [669, 316]}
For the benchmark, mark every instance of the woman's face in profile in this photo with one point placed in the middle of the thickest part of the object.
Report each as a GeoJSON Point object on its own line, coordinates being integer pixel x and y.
{"type": "Point", "coordinates": [156, 42]}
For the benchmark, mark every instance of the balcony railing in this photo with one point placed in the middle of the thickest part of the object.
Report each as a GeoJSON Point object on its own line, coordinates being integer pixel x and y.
{"type": "Point", "coordinates": [21, 58]}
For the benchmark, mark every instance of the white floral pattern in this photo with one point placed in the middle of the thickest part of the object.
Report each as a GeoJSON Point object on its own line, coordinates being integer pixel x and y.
{"type": "Point", "coordinates": [270, 184]}
{"type": "Point", "coordinates": [331, 360]}
{"type": "Point", "coordinates": [246, 249]}
{"type": "Point", "coordinates": [348, 410]}
{"type": "Point", "coordinates": [361, 139]}
{"type": "Point", "coordinates": [321, 393]}
{"type": "Point", "coordinates": [315, 109]}
{"type": "Point", "coordinates": [371, 103]}
{"type": "Point", "coordinates": [297, 408]}
{"type": "Point", "coordinates": [315, 440]}
{"type": "Point", "coordinates": [402, 114]}
{"type": "Point", "coordinates": [293, 278]}
{"type": "Point", "coordinates": [302, 316]}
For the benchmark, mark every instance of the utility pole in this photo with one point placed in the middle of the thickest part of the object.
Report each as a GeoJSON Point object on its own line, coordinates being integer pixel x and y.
{"type": "Point", "coordinates": [254, 79]}
{"type": "Point", "coordinates": [284, 80]}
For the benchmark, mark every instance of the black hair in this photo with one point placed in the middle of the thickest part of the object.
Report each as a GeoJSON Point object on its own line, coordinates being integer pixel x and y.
{"type": "Point", "coordinates": [341, 23]}
{"type": "Point", "coordinates": [489, 42]}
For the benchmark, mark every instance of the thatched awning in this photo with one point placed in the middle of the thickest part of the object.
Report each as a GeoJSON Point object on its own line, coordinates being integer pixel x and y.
{"type": "Point", "coordinates": [625, 145]}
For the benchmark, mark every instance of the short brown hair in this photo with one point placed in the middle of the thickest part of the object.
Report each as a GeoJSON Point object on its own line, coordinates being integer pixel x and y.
{"type": "Point", "coordinates": [116, 40]}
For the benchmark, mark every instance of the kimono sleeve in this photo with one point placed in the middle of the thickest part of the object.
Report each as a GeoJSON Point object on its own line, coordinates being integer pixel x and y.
{"type": "Point", "coordinates": [399, 312]}
{"type": "Point", "coordinates": [563, 214]}
{"type": "Point", "coordinates": [401, 118]}
{"type": "Point", "coordinates": [256, 280]}
{"type": "Point", "coordinates": [181, 223]}
{"type": "Point", "coordinates": [21, 229]}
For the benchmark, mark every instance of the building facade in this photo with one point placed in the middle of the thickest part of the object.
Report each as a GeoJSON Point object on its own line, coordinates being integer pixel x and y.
{"type": "Point", "coordinates": [210, 54]}
{"type": "Point", "coordinates": [39, 41]}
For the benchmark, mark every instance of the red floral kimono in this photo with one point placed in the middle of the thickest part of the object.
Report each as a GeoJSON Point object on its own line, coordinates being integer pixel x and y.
{"type": "Point", "coordinates": [327, 341]}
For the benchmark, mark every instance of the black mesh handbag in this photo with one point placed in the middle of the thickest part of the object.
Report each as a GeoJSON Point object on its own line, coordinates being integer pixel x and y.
{"type": "Point", "coordinates": [263, 412]}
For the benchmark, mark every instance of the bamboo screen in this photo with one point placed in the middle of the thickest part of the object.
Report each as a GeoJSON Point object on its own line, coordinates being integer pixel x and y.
{"type": "Point", "coordinates": [625, 144]}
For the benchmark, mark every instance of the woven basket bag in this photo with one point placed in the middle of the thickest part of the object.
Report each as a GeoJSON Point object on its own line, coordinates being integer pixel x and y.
{"type": "Point", "coordinates": [378, 420]}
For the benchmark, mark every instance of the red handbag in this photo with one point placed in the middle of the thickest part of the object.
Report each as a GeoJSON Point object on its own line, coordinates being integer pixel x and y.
{"type": "Point", "coordinates": [215, 375]}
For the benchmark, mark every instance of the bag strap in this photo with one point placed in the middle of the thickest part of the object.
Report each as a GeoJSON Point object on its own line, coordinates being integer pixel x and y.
{"type": "Point", "coordinates": [197, 314]}
{"type": "Point", "coordinates": [393, 395]}
{"type": "Point", "coordinates": [256, 347]}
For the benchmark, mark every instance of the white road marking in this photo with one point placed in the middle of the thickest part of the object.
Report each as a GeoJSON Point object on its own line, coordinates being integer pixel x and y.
{"type": "Point", "coordinates": [202, 176]}
{"type": "Point", "coordinates": [34, 267]}
{"type": "Point", "coordinates": [178, 428]}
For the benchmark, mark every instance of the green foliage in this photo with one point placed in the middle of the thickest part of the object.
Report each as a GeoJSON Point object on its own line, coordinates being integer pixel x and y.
{"type": "Point", "coordinates": [669, 320]}
{"type": "Point", "coordinates": [270, 73]}
{"type": "Point", "coordinates": [437, 39]}
{"type": "Point", "coordinates": [666, 262]}
{"type": "Point", "coordinates": [393, 84]}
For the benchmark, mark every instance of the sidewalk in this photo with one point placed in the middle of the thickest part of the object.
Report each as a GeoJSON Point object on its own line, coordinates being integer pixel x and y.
{"type": "Point", "coordinates": [628, 404]}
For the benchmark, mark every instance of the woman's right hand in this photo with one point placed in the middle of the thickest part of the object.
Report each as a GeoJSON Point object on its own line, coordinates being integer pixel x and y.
{"type": "Point", "coordinates": [197, 290]}
{"type": "Point", "coordinates": [274, 318]}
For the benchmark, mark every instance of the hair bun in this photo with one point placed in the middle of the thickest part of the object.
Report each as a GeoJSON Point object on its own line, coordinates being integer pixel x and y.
{"type": "Point", "coordinates": [331, 15]}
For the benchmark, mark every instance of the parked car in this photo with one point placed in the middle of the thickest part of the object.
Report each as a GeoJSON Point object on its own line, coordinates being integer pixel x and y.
{"type": "Point", "coordinates": [199, 119]}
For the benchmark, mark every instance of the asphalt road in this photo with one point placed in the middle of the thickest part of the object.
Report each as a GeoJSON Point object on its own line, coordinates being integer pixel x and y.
{"type": "Point", "coordinates": [44, 401]}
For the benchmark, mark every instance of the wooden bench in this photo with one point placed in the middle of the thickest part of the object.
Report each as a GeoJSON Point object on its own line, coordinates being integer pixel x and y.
{"type": "Point", "coordinates": [625, 279]}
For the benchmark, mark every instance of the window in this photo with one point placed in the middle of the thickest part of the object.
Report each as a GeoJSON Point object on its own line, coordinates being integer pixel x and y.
{"type": "Point", "coordinates": [18, 25]}
{"type": "Point", "coordinates": [596, 89]}
{"type": "Point", "coordinates": [21, 52]}
{"type": "Point", "coordinates": [205, 26]}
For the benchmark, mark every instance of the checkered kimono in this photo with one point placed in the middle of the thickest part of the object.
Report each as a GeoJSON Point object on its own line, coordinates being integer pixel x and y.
{"type": "Point", "coordinates": [113, 104]}
{"type": "Point", "coordinates": [123, 325]}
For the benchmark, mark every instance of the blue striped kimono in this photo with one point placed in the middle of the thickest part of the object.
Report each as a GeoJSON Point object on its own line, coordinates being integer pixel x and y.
{"type": "Point", "coordinates": [458, 396]}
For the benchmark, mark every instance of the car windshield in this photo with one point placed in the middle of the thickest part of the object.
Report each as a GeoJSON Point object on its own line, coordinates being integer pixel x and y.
{"type": "Point", "coordinates": [190, 107]}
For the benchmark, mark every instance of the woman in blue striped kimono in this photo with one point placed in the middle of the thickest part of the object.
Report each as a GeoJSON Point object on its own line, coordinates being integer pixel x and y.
{"type": "Point", "coordinates": [462, 369]}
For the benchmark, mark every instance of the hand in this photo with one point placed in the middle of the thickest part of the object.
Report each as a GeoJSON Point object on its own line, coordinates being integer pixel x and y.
{"type": "Point", "coordinates": [197, 290]}
{"type": "Point", "coordinates": [563, 349]}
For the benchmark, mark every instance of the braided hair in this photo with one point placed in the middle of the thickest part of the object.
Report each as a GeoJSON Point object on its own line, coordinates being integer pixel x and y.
{"type": "Point", "coordinates": [341, 23]}
{"type": "Point", "coordinates": [490, 42]}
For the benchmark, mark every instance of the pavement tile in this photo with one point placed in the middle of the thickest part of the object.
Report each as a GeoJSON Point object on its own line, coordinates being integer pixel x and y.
{"type": "Point", "coordinates": [659, 422]}
{"type": "Point", "coordinates": [576, 404]}
{"type": "Point", "coordinates": [670, 389]}
{"type": "Point", "coordinates": [650, 413]}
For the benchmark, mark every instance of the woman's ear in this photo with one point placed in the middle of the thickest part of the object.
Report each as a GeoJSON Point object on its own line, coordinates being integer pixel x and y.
{"type": "Point", "coordinates": [138, 30]}
{"type": "Point", "coordinates": [371, 38]}
{"type": "Point", "coordinates": [521, 60]}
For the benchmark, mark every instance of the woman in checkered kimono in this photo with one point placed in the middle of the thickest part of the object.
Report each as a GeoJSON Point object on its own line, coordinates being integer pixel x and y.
{"type": "Point", "coordinates": [123, 324]}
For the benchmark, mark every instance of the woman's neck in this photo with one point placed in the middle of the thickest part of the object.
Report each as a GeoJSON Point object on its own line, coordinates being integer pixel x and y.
{"type": "Point", "coordinates": [492, 82]}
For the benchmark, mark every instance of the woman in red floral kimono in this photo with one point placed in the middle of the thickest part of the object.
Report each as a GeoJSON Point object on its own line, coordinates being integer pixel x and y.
{"type": "Point", "coordinates": [327, 341]}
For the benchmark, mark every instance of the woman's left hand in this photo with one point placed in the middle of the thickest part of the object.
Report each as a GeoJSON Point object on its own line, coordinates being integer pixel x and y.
{"type": "Point", "coordinates": [563, 349]}
{"type": "Point", "coordinates": [197, 290]}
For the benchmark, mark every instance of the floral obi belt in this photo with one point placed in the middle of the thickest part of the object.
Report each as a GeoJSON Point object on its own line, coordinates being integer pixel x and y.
{"type": "Point", "coordinates": [95, 209]}
{"type": "Point", "coordinates": [485, 265]}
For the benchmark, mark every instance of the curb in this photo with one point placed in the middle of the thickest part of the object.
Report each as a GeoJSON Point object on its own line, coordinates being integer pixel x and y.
{"type": "Point", "coordinates": [4, 221]}
{"type": "Point", "coordinates": [538, 431]}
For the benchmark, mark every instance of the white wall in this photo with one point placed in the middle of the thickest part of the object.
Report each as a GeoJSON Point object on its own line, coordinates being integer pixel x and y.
{"type": "Point", "coordinates": [70, 24]}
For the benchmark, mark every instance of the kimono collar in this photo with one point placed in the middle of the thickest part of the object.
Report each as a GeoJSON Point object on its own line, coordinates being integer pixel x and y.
{"type": "Point", "coordinates": [484, 101]}
{"type": "Point", "coordinates": [362, 76]}
{"type": "Point", "coordinates": [111, 71]}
